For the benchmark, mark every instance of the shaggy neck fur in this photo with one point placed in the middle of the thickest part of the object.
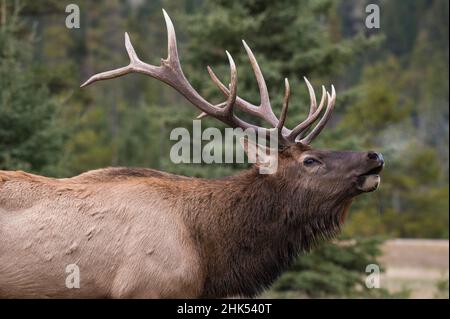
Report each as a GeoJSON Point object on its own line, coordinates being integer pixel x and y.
{"type": "Point", "coordinates": [250, 227]}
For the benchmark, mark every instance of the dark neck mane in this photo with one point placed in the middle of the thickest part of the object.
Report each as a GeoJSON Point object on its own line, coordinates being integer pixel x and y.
{"type": "Point", "coordinates": [250, 227]}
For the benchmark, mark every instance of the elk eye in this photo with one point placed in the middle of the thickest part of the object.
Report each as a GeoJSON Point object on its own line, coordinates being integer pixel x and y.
{"type": "Point", "coordinates": [310, 161]}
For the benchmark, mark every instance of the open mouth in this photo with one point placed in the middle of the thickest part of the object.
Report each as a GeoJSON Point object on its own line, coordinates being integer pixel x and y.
{"type": "Point", "coordinates": [374, 171]}
{"type": "Point", "coordinates": [370, 180]}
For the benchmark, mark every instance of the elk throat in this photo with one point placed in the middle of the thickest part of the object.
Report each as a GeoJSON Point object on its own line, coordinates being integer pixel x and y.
{"type": "Point", "coordinates": [248, 230]}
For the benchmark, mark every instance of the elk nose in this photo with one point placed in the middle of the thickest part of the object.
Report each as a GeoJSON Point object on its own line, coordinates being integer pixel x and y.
{"type": "Point", "coordinates": [374, 156]}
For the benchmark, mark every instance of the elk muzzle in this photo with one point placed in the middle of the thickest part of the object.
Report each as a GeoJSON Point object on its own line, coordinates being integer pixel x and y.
{"type": "Point", "coordinates": [370, 179]}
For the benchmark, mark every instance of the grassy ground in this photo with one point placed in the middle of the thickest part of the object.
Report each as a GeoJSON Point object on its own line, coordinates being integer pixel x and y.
{"type": "Point", "coordinates": [418, 268]}
{"type": "Point", "coordinates": [417, 265]}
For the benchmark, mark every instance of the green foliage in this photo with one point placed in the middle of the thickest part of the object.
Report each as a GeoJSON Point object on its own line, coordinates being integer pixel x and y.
{"type": "Point", "coordinates": [442, 288]}
{"type": "Point", "coordinates": [333, 270]}
{"type": "Point", "coordinates": [401, 109]}
{"type": "Point", "coordinates": [377, 103]}
{"type": "Point", "coordinates": [289, 38]}
{"type": "Point", "coordinates": [30, 137]}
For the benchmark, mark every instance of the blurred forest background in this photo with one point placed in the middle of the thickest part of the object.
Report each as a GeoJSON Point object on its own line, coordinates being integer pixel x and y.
{"type": "Point", "coordinates": [392, 86]}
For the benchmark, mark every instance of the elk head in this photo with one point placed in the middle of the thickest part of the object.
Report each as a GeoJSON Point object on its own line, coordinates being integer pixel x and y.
{"type": "Point", "coordinates": [323, 174]}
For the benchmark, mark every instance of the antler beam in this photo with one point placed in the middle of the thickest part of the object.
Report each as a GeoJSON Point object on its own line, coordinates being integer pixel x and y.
{"type": "Point", "coordinates": [170, 72]}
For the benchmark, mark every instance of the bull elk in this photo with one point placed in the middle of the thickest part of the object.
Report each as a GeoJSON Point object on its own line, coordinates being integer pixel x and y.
{"type": "Point", "coordinates": [142, 233]}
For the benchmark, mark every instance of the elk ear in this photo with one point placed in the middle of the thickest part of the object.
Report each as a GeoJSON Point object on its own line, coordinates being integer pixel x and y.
{"type": "Point", "coordinates": [258, 154]}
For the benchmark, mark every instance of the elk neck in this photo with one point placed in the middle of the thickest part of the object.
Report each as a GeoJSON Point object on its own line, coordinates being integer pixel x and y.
{"type": "Point", "coordinates": [248, 228]}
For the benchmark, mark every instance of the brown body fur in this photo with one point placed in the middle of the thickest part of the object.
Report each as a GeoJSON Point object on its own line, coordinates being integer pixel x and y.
{"type": "Point", "coordinates": [103, 224]}
{"type": "Point", "coordinates": [137, 232]}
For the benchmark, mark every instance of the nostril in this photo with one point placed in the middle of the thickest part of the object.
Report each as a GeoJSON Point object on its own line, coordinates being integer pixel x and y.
{"type": "Point", "coordinates": [373, 156]}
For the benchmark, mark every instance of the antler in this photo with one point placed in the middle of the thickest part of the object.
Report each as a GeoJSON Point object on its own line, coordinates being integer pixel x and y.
{"type": "Point", "coordinates": [171, 73]}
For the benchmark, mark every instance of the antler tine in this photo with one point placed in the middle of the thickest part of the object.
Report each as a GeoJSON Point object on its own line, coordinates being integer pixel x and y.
{"type": "Point", "coordinates": [300, 128]}
{"type": "Point", "coordinates": [172, 50]}
{"type": "Point", "coordinates": [217, 82]}
{"type": "Point", "coordinates": [312, 96]}
{"type": "Point", "coordinates": [323, 121]}
{"type": "Point", "coordinates": [130, 50]}
{"type": "Point", "coordinates": [264, 110]}
{"type": "Point", "coordinates": [134, 65]}
{"type": "Point", "coordinates": [263, 92]}
{"type": "Point", "coordinates": [231, 99]}
{"type": "Point", "coordinates": [233, 85]}
{"type": "Point", "coordinates": [240, 103]}
{"type": "Point", "coordinates": [287, 93]}
{"type": "Point", "coordinates": [320, 108]}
